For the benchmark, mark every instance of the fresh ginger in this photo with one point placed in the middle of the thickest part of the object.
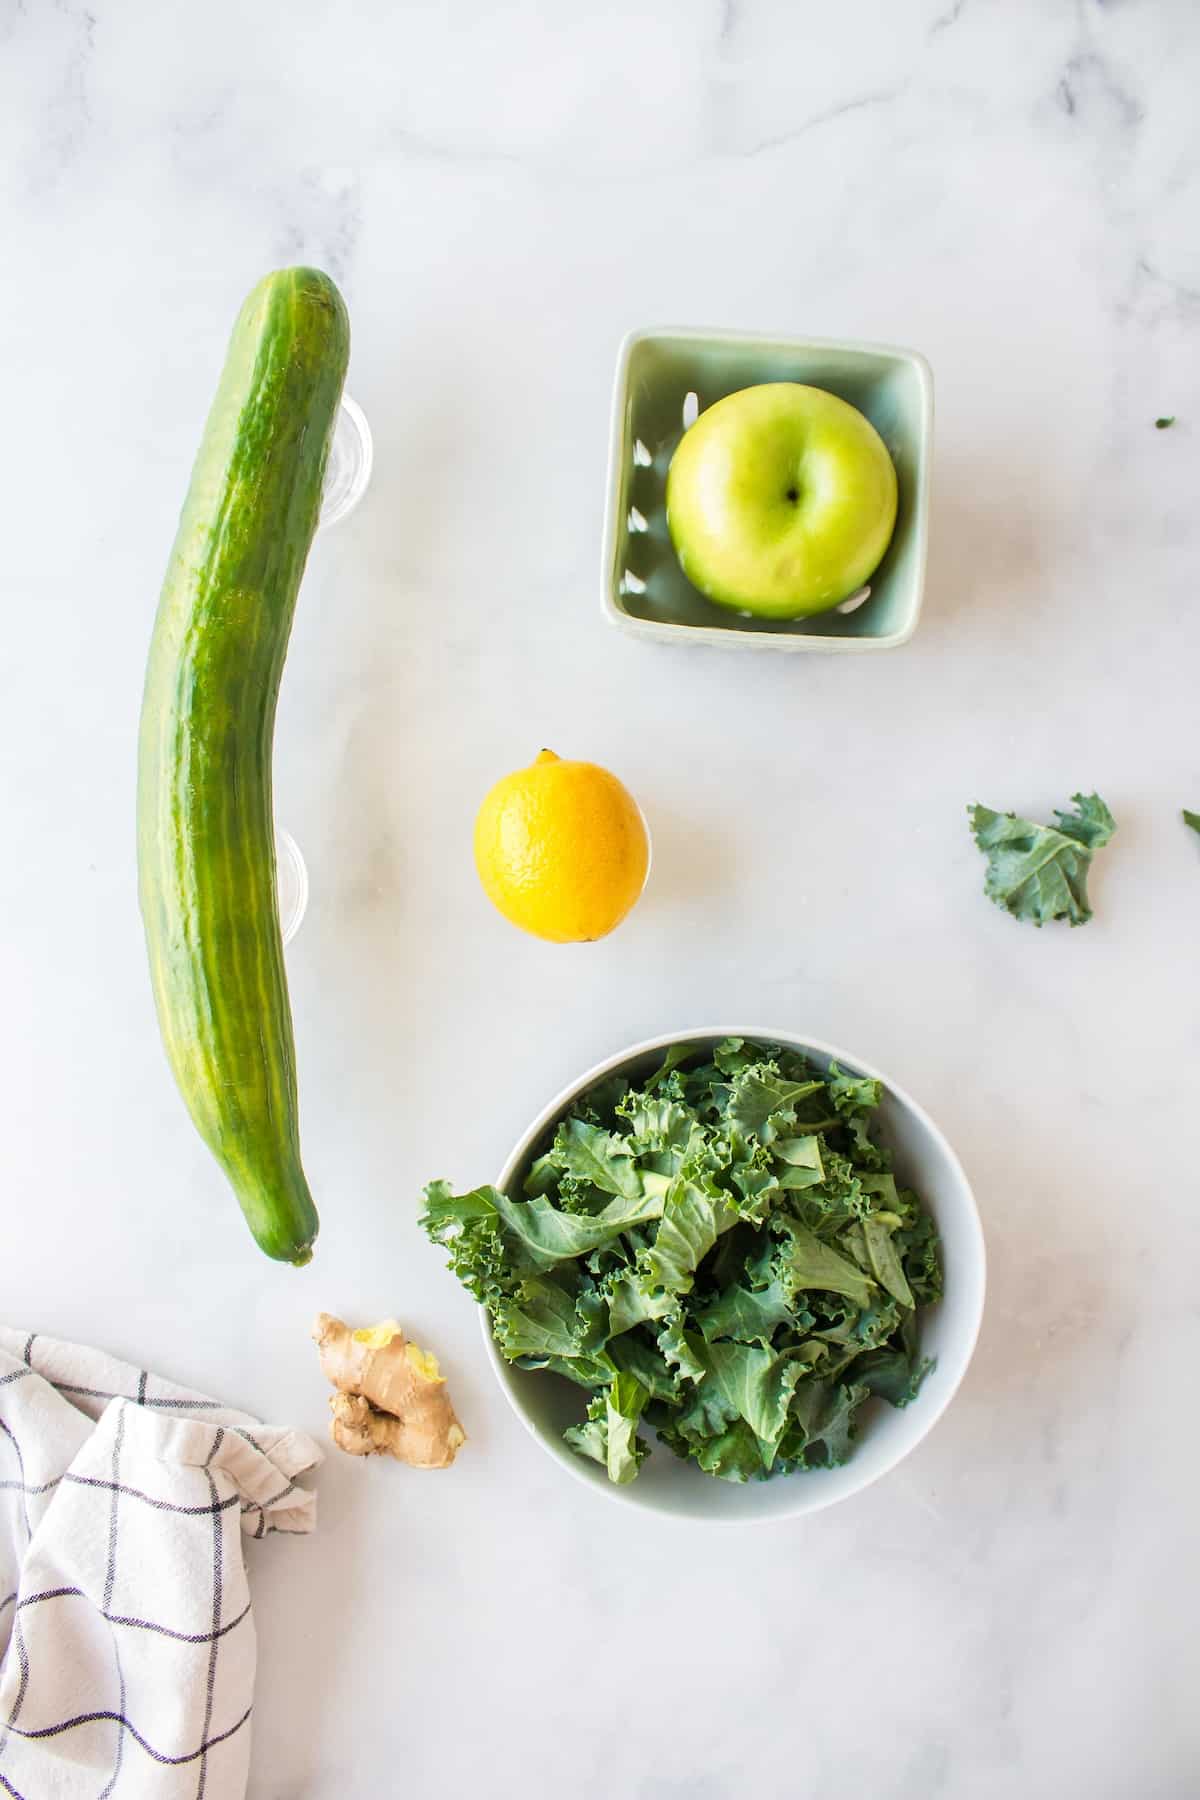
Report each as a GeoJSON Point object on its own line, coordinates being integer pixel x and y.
{"type": "Point", "coordinates": [391, 1396]}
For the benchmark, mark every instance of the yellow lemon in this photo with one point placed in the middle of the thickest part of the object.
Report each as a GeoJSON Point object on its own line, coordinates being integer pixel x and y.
{"type": "Point", "coordinates": [561, 849]}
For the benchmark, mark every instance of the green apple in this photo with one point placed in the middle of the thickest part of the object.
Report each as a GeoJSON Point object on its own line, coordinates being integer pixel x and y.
{"type": "Point", "coordinates": [781, 500]}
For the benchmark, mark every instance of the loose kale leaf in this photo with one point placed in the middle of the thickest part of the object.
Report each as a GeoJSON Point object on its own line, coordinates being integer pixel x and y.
{"type": "Point", "coordinates": [762, 1103]}
{"type": "Point", "coordinates": [852, 1093]}
{"type": "Point", "coordinates": [591, 1438]}
{"type": "Point", "coordinates": [691, 1223]}
{"type": "Point", "coordinates": [870, 1243]}
{"type": "Point", "coordinates": [600, 1104]}
{"type": "Point", "coordinates": [757, 1187]}
{"type": "Point", "coordinates": [585, 1371]}
{"type": "Point", "coordinates": [733, 1455]}
{"type": "Point", "coordinates": [633, 1299]}
{"type": "Point", "coordinates": [920, 1251]}
{"type": "Point", "coordinates": [808, 1263]}
{"type": "Point", "coordinates": [447, 1214]}
{"type": "Point", "coordinates": [1039, 872]}
{"type": "Point", "coordinates": [803, 1158]}
{"type": "Point", "coordinates": [678, 1053]}
{"type": "Point", "coordinates": [625, 1401]}
{"type": "Point", "coordinates": [824, 1421]}
{"type": "Point", "coordinates": [758, 1386]}
{"type": "Point", "coordinates": [634, 1355]}
{"type": "Point", "coordinates": [891, 1374]}
{"type": "Point", "coordinates": [721, 1253]}
{"type": "Point", "coordinates": [1192, 819]}
{"type": "Point", "coordinates": [468, 1227]}
{"type": "Point", "coordinates": [543, 1319]}
{"type": "Point", "coordinates": [538, 1234]}
{"type": "Point", "coordinates": [732, 1055]}
{"type": "Point", "coordinates": [597, 1156]}
{"type": "Point", "coordinates": [864, 1152]}
{"type": "Point", "coordinates": [750, 1315]}
{"type": "Point", "coordinates": [610, 1434]}
{"type": "Point", "coordinates": [681, 1350]}
{"type": "Point", "coordinates": [655, 1124]}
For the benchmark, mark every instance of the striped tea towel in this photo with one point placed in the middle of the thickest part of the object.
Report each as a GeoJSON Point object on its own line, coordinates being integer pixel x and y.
{"type": "Point", "coordinates": [126, 1641]}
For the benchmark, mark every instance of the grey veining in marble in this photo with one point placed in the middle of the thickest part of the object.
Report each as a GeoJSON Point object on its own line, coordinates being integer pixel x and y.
{"type": "Point", "coordinates": [503, 190]}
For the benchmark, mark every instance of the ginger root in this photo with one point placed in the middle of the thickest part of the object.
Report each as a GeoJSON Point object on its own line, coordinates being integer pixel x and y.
{"type": "Point", "coordinates": [391, 1396]}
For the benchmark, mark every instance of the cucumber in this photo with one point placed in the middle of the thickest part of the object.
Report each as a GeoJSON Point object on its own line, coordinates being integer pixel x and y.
{"type": "Point", "coordinates": [205, 821]}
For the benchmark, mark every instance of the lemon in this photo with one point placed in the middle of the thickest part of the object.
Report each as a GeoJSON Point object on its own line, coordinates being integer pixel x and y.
{"type": "Point", "coordinates": [561, 849]}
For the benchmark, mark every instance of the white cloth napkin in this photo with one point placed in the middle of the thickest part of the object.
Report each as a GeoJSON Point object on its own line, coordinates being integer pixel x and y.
{"type": "Point", "coordinates": [127, 1645]}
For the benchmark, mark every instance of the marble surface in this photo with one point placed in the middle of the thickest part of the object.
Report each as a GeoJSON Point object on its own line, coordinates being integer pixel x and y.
{"type": "Point", "coordinates": [503, 191]}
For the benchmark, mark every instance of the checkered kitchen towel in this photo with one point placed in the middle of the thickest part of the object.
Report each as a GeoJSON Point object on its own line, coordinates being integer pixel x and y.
{"type": "Point", "coordinates": [126, 1642]}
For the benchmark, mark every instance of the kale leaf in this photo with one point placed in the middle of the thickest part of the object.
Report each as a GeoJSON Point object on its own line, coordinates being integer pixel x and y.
{"type": "Point", "coordinates": [1039, 872]}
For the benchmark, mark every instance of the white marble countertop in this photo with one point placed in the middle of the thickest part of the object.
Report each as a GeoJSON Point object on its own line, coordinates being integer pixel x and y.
{"type": "Point", "coordinates": [503, 191]}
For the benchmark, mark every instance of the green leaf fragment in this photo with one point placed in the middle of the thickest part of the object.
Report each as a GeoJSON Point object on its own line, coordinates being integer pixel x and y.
{"type": "Point", "coordinates": [681, 1351]}
{"type": "Point", "coordinates": [677, 1054]}
{"type": "Point", "coordinates": [751, 1315]}
{"type": "Point", "coordinates": [892, 1375]}
{"type": "Point", "coordinates": [825, 1413]}
{"type": "Point", "coordinates": [803, 1155]}
{"type": "Point", "coordinates": [597, 1156]}
{"type": "Point", "coordinates": [808, 1262]}
{"type": "Point", "coordinates": [691, 1223]}
{"type": "Point", "coordinates": [1039, 872]}
{"type": "Point", "coordinates": [610, 1432]}
{"type": "Point", "coordinates": [762, 1103]}
{"type": "Point", "coordinates": [885, 1261]}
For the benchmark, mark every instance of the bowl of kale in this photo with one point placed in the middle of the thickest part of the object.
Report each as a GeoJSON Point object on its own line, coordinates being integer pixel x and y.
{"type": "Point", "coordinates": [725, 1274]}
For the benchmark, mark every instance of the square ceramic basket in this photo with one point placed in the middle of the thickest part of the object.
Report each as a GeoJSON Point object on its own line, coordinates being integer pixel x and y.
{"type": "Point", "coordinates": [664, 379]}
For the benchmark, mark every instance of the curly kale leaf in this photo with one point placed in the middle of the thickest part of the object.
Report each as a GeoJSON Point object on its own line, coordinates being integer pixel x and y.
{"type": "Point", "coordinates": [1039, 872]}
{"type": "Point", "coordinates": [610, 1434]}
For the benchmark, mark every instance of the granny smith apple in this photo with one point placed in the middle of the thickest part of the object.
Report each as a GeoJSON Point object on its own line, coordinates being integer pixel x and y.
{"type": "Point", "coordinates": [781, 500]}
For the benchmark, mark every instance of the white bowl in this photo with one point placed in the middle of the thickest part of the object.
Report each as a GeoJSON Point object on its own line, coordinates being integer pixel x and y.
{"type": "Point", "coordinates": [546, 1404]}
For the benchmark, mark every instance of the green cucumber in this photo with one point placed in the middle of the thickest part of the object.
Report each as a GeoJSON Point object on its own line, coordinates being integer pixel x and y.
{"type": "Point", "coordinates": [206, 833]}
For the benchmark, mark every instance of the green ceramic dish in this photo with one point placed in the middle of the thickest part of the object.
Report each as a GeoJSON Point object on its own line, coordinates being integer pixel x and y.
{"type": "Point", "coordinates": [663, 379]}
